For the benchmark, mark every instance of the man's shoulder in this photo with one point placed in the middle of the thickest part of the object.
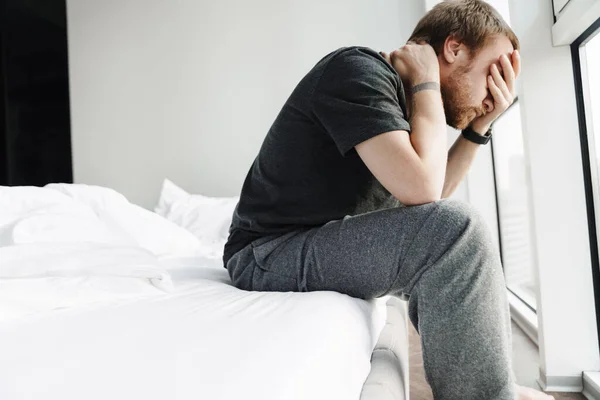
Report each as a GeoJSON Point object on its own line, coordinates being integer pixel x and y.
{"type": "Point", "coordinates": [355, 54]}
{"type": "Point", "coordinates": [357, 59]}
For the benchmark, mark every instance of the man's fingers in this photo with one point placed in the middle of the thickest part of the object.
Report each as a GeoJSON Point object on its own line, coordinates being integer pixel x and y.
{"type": "Point", "coordinates": [499, 100]}
{"type": "Point", "coordinates": [516, 62]}
{"type": "Point", "coordinates": [509, 74]}
{"type": "Point", "coordinates": [500, 83]}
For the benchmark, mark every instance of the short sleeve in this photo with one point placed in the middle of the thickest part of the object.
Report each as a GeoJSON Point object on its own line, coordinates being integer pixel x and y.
{"type": "Point", "coordinates": [356, 99]}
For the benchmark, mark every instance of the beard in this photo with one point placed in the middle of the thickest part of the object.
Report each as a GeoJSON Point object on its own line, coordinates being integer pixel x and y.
{"type": "Point", "coordinates": [456, 96]}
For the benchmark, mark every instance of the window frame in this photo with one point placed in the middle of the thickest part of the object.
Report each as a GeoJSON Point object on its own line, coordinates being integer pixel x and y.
{"type": "Point", "coordinates": [588, 173]}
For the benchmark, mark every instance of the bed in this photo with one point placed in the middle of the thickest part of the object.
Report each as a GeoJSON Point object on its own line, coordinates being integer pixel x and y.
{"type": "Point", "coordinates": [102, 299]}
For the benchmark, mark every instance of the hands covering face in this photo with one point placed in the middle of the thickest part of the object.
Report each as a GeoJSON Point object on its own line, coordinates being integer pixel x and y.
{"type": "Point", "coordinates": [501, 86]}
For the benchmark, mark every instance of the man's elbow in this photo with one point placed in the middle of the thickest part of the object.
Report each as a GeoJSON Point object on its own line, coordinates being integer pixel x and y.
{"type": "Point", "coordinates": [420, 196]}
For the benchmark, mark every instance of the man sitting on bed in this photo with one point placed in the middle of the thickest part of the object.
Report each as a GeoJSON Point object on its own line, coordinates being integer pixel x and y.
{"type": "Point", "coordinates": [349, 192]}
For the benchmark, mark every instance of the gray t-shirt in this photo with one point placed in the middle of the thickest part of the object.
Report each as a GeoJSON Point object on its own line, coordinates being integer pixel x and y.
{"type": "Point", "coordinates": [307, 172]}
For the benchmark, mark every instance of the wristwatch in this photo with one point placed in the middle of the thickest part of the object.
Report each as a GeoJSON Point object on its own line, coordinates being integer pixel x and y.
{"type": "Point", "coordinates": [469, 134]}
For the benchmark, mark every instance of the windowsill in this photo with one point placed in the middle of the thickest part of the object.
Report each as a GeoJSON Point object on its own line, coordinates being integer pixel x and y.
{"type": "Point", "coordinates": [524, 317]}
{"type": "Point", "coordinates": [591, 385]}
{"type": "Point", "coordinates": [526, 294]}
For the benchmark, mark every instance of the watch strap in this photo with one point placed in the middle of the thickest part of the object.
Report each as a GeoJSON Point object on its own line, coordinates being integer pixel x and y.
{"type": "Point", "coordinates": [472, 136]}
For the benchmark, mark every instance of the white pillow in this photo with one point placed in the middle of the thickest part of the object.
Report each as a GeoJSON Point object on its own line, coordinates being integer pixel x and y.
{"type": "Point", "coordinates": [208, 218]}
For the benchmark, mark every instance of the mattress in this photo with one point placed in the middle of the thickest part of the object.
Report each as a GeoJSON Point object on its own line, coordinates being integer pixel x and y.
{"type": "Point", "coordinates": [389, 376]}
{"type": "Point", "coordinates": [101, 300]}
{"type": "Point", "coordinates": [206, 339]}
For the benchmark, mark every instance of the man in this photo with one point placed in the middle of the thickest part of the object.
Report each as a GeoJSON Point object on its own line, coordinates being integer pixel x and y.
{"type": "Point", "coordinates": [348, 192]}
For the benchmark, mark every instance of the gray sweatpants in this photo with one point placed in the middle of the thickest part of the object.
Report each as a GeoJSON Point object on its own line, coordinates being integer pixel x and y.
{"type": "Point", "coordinates": [440, 255]}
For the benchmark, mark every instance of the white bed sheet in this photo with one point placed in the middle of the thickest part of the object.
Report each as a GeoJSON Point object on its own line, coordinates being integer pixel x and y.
{"type": "Point", "coordinates": [204, 340]}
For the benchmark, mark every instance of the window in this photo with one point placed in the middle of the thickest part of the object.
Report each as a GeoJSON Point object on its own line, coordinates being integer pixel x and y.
{"type": "Point", "coordinates": [590, 73]}
{"type": "Point", "coordinates": [586, 63]}
{"type": "Point", "coordinates": [513, 206]}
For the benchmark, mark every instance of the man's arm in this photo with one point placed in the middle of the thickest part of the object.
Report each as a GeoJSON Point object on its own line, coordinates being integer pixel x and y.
{"type": "Point", "coordinates": [413, 167]}
{"type": "Point", "coordinates": [460, 158]}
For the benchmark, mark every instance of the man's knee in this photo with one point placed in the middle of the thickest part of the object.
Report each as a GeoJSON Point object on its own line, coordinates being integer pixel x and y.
{"type": "Point", "coordinates": [473, 258]}
{"type": "Point", "coordinates": [456, 213]}
{"type": "Point", "coordinates": [466, 223]}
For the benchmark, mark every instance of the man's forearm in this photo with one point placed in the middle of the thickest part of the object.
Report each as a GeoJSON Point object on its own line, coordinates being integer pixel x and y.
{"type": "Point", "coordinates": [460, 158]}
{"type": "Point", "coordinates": [428, 136]}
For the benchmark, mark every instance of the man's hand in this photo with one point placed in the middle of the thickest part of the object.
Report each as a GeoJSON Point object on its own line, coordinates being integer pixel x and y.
{"type": "Point", "coordinates": [502, 89]}
{"type": "Point", "coordinates": [415, 63]}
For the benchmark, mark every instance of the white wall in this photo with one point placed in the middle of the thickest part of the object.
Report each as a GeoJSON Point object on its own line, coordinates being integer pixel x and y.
{"type": "Point", "coordinates": [188, 89]}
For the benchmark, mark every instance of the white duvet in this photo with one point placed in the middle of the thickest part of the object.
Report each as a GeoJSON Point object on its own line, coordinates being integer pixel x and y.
{"type": "Point", "coordinates": [101, 300]}
{"type": "Point", "coordinates": [65, 246]}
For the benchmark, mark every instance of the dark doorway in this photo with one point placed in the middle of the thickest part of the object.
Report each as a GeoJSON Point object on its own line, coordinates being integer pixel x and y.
{"type": "Point", "coordinates": [35, 132]}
